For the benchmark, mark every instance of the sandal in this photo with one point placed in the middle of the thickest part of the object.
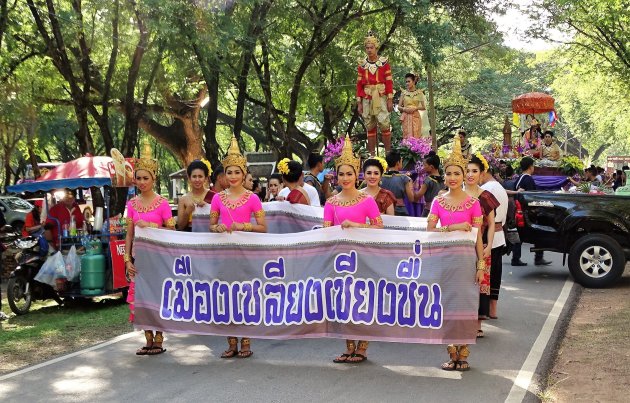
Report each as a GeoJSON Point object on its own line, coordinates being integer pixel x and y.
{"type": "Point", "coordinates": [229, 354]}
{"type": "Point", "coordinates": [480, 334]}
{"type": "Point", "coordinates": [449, 366]}
{"type": "Point", "coordinates": [245, 353]}
{"type": "Point", "coordinates": [245, 348]}
{"type": "Point", "coordinates": [232, 350]}
{"type": "Point", "coordinates": [462, 366]}
{"type": "Point", "coordinates": [493, 317]}
{"type": "Point", "coordinates": [362, 358]}
{"type": "Point", "coordinates": [143, 350]}
{"type": "Point", "coordinates": [156, 350]}
{"type": "Point", "coordinates": [342, 359]}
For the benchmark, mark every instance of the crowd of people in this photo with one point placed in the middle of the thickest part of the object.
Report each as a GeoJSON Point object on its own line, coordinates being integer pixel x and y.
{"type": "Point", "coordinates": [467, 195]}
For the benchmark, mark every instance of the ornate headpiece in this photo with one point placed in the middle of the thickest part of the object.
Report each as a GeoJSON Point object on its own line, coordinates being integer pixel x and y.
{"type": "Point", "coordinates": [347, 157]}
{"type": "Point", "coordinates": [371, 38]}
{"type": "Point", "coordinates": [234, 158]}
{"type": "Point", "coordinates": [146, 162]}
{"type": "Point", "coordinates": [283, 166]}
{"type": "Point", "coordinates": [456, 157]}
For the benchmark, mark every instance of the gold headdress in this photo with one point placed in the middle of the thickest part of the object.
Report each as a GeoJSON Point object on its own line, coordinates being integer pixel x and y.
{"type": "Point", "coordinates": [347, 157]}
{"type": "Point", "coordinates": [234, 158]}
{"type": "Point", "coordinates": [371, 38]}
{"type": "Point", "coordinates": [146, 162]}
{"type": "Point", "coordinates": [456, 158]}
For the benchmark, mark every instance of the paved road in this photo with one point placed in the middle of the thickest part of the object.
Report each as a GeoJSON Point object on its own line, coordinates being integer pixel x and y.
{"type": "Point", "coordinates": [503, 363]}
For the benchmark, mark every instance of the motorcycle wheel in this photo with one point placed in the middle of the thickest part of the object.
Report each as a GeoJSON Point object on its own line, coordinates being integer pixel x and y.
{"type": "Point", "coordinates": [19, 299]}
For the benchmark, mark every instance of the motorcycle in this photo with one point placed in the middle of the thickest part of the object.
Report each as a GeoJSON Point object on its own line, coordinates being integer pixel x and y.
{"type": "Point", "coordinates": [22, 288]}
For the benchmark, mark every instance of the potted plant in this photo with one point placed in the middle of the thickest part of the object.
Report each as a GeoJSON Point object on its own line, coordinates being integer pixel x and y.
{"type": "Point", "coordinates": [413, 150]}
{"type": "Point", "coordinates": [570, 164]}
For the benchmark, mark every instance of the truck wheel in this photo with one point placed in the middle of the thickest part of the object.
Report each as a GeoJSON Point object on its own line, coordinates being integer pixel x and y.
{"type": "Point", "coordinates": [596, 261]}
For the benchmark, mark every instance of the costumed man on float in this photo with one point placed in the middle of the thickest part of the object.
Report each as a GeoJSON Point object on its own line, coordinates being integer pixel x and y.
{"type": "Point", "coordinates": [375, 94]}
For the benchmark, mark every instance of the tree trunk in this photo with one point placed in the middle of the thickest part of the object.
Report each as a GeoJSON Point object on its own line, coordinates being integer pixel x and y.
{"type": "Point", "coordinates": [434, 144]}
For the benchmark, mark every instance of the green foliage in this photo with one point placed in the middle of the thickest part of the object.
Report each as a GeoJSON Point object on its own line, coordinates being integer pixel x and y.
{"type": "Point", "coordinates": [308, 51]}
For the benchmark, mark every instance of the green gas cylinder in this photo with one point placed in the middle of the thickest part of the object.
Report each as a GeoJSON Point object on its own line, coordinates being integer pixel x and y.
{"type": "Point", "coordinates": [93, 270]}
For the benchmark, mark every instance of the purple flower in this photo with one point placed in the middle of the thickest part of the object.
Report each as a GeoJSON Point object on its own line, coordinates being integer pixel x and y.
{"type": "Point", "coordinates": [420, 146]}
{"type": "Point", "coordinates": [333, 150]}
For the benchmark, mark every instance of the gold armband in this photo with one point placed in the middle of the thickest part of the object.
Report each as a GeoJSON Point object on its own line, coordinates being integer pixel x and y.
{"type": "Point", "coordinates": [248, 227]}
{"type": "Point", "coordinates": [390, 96]}
{"type": "Point", "coordinates": [481, 264]}
{"type": "Point", "coordinates": [127, 258]}
{"type": "Point", "coordinates": [170, 223]}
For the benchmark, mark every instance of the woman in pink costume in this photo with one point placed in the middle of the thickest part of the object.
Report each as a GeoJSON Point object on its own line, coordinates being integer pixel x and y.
{"type": "Point", "coordinates": [457, 211]}
{"type": "Point", "coordinates": [351, 208]}
{"type": "Point", "coordinates": [148, 209]}
{"type": "Point", "coordinates": [232, 210]}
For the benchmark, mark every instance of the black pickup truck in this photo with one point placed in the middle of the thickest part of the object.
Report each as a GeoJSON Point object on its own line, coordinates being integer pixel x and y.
{"type": "Point", "coordinates": [593, 230]}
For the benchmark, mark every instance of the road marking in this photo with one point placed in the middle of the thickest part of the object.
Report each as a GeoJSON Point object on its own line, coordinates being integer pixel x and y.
{"type": "Point", "coordinates": [524, 378]}
{"type": "Point", "coordinates": [71, 355]}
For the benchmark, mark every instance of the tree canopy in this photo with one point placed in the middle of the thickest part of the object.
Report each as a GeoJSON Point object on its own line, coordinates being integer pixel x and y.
{"type": "Point", "coordinates": [83, 76]}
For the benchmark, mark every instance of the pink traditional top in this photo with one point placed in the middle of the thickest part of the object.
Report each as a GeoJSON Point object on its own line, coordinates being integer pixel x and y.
{"type": "Point", "coordinates": [468, 211]}
{"type": "Point", "coordinates": [158, 213]}
{"type": "Point", "coordinates": [359, 210]}
{"type": "Point", "coordinates": [238, 211]}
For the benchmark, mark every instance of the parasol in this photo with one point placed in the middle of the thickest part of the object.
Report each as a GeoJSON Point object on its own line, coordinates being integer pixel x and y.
{"type": "Point", "coordinates": [533, 102]}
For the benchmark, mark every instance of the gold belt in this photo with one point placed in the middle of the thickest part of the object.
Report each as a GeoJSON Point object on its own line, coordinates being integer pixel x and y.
{"type": "Point", "coordinates": [374, 91]}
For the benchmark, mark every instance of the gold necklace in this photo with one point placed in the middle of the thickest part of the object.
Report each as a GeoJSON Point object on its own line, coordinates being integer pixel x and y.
{"type": "Point", "coordinates": [198, 200]}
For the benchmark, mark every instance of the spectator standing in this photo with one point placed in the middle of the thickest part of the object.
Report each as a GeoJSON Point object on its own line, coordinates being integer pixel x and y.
{"type": "Point", "coordinates": [433, 182]}
{"type": "Point", "coordinates": [526, 183]}
{"type": "Point", "coordinates": [316, 166]}
{"type": "Point", "coordinates": [274, 186]}
{"type": "Point", "coordinates": [400, 185]}
{"type": "Point", "coordinates": [489, 183]}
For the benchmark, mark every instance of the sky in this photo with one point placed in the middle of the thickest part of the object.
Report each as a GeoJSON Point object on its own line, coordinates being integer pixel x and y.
{"type": "Point", "coordinates": [513, 25]}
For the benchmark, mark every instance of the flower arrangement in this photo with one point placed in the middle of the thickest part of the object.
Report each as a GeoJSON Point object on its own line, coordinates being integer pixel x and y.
{"type": "Point", "coordinates": [283, 166]}
{"type": "Point", "coordinates": [208, 165]}
{"type": "Point", "coordinates": [570, 164]}
{"type": "Point", "coordinates": [483, 160]}
{"type": "Point", "coordinates": [491, 161]}
{"type": "Point", "coordinates": [332, 151]}
{"type": "Point", "coordinates": [382, 162]}
{"type": "Point", "coordinates": [413, 149]}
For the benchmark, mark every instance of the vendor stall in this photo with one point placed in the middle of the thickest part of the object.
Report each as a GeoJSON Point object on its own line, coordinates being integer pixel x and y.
{"type": "Point", "coordinates": [98, 268]}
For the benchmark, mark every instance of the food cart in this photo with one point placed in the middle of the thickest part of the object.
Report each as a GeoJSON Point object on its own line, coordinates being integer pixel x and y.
{"type": "Point", "coordinates": [105, 238]}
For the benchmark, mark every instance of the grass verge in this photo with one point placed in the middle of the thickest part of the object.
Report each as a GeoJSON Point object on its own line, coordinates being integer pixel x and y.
{"type": "Point", "coordinates": [49, 330]}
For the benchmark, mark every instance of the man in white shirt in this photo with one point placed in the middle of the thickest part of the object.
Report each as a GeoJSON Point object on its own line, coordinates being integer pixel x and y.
{"type": "Point", "coordinates": [310, 190]}
{"type": "Point", "coordinates": [491, 185]}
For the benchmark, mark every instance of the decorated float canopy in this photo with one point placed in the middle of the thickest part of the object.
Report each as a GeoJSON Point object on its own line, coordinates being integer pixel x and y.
{"type": "Point", "coordinates": [533, 103]}
{"type": "Point", "coordinates": [83, 172]}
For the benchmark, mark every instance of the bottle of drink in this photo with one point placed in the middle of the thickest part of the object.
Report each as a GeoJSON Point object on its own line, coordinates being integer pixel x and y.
{"type": "Point", "coordinates": [73, 226]}
{"type": "Point", "coordinates": [64, 231]}
{"type": "Point", "coordinates": [85, 231]}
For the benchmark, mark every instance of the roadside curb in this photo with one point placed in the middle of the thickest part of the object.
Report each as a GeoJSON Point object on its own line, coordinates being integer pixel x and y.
{"type": "Point", "coordinates": [550, 354]}
{"type": "Point", "coordinates": [69, 355]}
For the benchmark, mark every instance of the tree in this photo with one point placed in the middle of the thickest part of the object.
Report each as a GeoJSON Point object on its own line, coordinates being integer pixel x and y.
{"type": "Point", "coordinates": [592, 29]}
